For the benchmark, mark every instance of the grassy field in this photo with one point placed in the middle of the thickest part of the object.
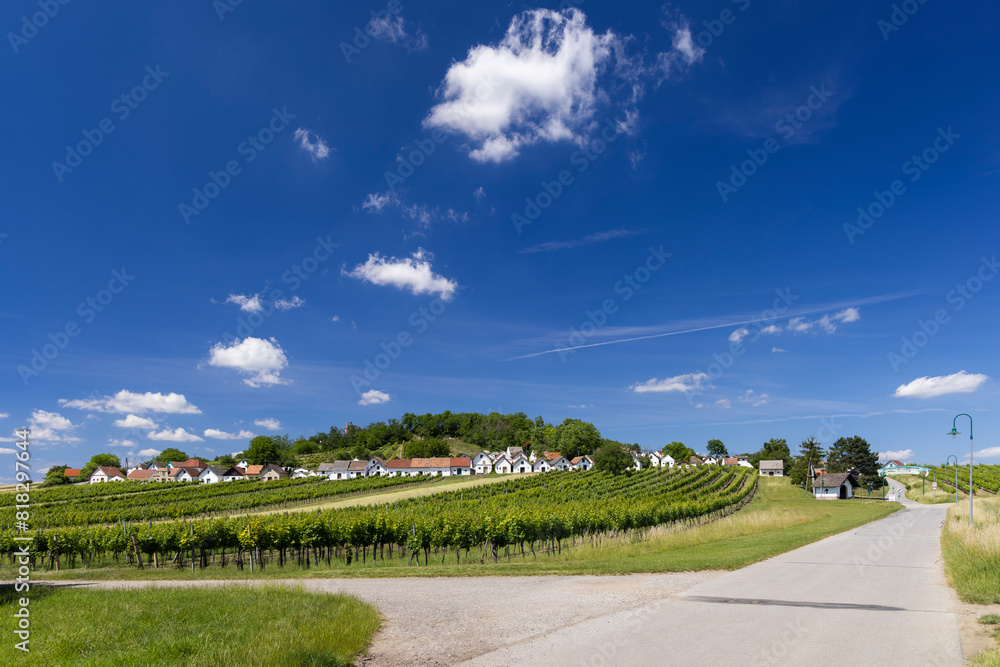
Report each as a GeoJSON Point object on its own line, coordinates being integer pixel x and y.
{"type": "Point", "coordinates": [780, 518]}
{"type": "Point", "coordinates": [232, 626]}
{"type": "Point", "coordinates": [972, 553]}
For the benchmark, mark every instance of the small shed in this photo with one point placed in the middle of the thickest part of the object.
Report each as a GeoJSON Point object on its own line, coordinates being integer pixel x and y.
{"type": "Point", "coordinates": [836, 486]}
{"type": "Point", "coordinates": [772, 468]}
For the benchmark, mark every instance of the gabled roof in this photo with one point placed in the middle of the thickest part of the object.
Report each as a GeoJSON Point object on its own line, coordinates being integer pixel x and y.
{"type": "Point", "coordinates": [398, 464]}
{"type": "Point", "coordinates": [232, 471]}
{"type": "Point", "coordinates": [731, 461]}
{"type": "Point", "coordinates": [694, 460]}
{"type": "Point", "coordinates": [834, 480]}
{"type": "Point", "coordinates": [437, 462]}
{"type": "Point", "coordinates": [213, 469]}
{"type": "Point", "coordinates": [253, 471]}
{"type": "Point", "coordinates": [460, 462]}
{"type": "Point", "coordinates": [271, 467]}
{"type": "Point", "coordinates": [140, 474]}
{"type": "Point", "coordinates": [772, 465]}
{"type": "Point", "coordinates": [110, 471]}
{"type": "Point", "coordinates": [358, 466]}
{"type": "Point", "coordinates": [193, 463]}
{"type": "Point", "coordinates": [73, 472]}
{"type": "Point", "coordinates": [551, 456]}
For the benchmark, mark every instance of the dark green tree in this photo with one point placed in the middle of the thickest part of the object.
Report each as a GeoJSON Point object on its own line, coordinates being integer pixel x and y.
{"type": "Point", "coordinates": [56, 476]}
{"type": "Point", "coordinates": [773, 450]}
{"type": "Point", "coordinates": [612, 458]}
{"type": "Point", "coordinates": [576, 438]}
{"type": "Point", "coordinates": [853, 453]}
{"type": "Point", "coordinates": [717, 449]}
{"type": "Point", "coordinates": [811, 453]}
{"type": "Point", "coordinates": [96, 460]}
{"type": "Point", "coordinates": [171, 454]}
{"type": "Point", "coordinates": [679, 452]}
{"type": "Point", "coordinates": [268, 449]}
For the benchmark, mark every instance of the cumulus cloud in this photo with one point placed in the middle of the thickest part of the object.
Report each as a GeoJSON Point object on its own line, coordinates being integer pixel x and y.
{"type": "Point", "coordinates": [223, 435]}
{"type": "Point", "coordinates": [115, 442]}
{"type": "Point", "coordinates": [680, 383]}
{"type": "Point", "coordinates": [928, 387]}
{"type": "Point", "coordinates": [135, 421]}
{"type": "Point", "coordinates": [754, 399]}
{"type": "Point", "coordinates": [898, 455]}
{"type": "Point", "coordinates": [827, 323]}
{"type": "Point", "coordinates": [129, 402]}
{"type": "Point", "coordinates": [149, 452]}
{"type": "Point", "coordinates": [250, 304]}
{"type": "Point", "coordinates": [289, 304]}
{"type": "Point", "coordinates": [412, 273]}
{"type": "Point", "coordinates": [260, 360]}
{"type": "Point", "coordinates": [374, 397]}
{"type": "Point", "coordinates": [738, 335]}
{"type": "Point", "coordinates": [540, 83]}
{"type": "Point", "coordinates": [51, 427]}
{"type": "Point", "coordinates": [269, 424]}
{"type": "Point", "coordinates": [988, 453]}
{"type": "Point", "coordinates": [312, 144]}
{"type": "Point", "coordinates": [176, 435]}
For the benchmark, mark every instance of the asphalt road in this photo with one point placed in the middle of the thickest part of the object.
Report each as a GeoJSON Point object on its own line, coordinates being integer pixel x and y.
{"type": "Point", "coordinates": [876, 594]}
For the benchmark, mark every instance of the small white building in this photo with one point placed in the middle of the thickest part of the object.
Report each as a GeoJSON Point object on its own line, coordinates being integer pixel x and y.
{"type": "Point", "coordinates": [106, 474]}
{"type": "Point", "coordinates": [582, 463]}
{"type": "Point", "coordinates": [541, 465]}
{"type": "Point", "coordinates": [376, 467]}
{"type": "Point", "coordinates": [561, 463]}
{"type": "Point", "coordinates": [502, 465]}
{"type": "Point", "coordinates": [482, 463]}
{"type": "Point", "coordinates": [836, 486]}
{"type": "Point", "coordinates": [210, 475]}
{"type": "Point", "coordinates": [772, 468]}
{"type": "Point", "coordinates": [520, 464]}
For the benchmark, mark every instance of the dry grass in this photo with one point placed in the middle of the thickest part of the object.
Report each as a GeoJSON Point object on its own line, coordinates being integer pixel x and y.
{"type": "Point", "coordinates": [972, 553]}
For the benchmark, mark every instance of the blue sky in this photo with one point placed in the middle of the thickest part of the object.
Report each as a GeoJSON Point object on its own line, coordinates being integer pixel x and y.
{"type": "Point", "coordinates": [219, 216]}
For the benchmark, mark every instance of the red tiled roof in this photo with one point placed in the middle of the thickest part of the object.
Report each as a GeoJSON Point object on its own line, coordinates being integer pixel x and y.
{"type": "Point", "coordinates": [73, 472]}
{"type": "Point", "coordinates": [431, 463]}
{"type": "Point", "coordinates": [253, 470]}
{"type": "Point", "coordinates": [460, 461]}
{"type": "Point", "coordinates": [393, 464]}
{"type": "Point", "coordinates": [551, 456]}
{"type": "Point", "coordinates": [731, 461]}
{"type": "Point", "coordinates": [141, 474]}
{"type": "Point", "coordinates": [193, 463]}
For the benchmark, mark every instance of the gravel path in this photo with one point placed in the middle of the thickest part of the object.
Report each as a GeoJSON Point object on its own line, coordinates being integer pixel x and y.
{"type": "Point", "coordinates": [447, 621]}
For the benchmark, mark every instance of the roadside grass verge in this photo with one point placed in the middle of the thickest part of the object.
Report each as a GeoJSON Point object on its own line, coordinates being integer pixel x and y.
{"type": "Point", "coordinates": [229, 626]}
{"type": "Point", "coordinates": [972, 553]}
{"type": "Point", "coordinates": [923, 491]}
{"type": "Point", "coordinates": [780, 518]}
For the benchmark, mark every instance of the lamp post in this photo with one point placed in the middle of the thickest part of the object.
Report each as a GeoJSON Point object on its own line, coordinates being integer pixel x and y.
{"type": "Point", "coordinates": [953, 433]}
{"type": "Point", "coordinates": [953, 456]}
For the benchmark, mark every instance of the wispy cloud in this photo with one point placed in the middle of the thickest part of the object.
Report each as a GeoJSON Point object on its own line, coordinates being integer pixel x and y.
{"type": "Point", "coordinates": [131, 402]}
{"type": "Point", "coordinates": [678, 383]}
{"type": "Point", "coordinates": [598, 237]}
{"type": "Point", "coordinates": [312, 144]}
{"type": "Point", "coordinates": [928, 387]}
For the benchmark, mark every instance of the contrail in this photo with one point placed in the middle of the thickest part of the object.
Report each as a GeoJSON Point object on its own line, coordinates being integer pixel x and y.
{"type": "Point", "coordinates": [862, 302]}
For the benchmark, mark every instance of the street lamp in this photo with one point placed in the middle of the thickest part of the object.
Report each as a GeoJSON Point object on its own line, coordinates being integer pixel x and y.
{"type": "Point", "coordinates": [953, 433]}
{"type": "Point", "coordinates": [953, 456]}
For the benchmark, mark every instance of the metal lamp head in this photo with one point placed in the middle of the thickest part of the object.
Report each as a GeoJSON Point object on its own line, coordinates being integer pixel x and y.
{"type": "Point", "coordinates": [953, 432]}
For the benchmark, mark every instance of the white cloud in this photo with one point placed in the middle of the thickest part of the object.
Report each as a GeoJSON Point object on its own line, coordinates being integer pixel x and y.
{"type": "Point", "coordinates": [683, 54]}
{"type": "Point", "coordinates": [262, 360]}
{"type": "Point", "coordinates": [374, 397]}
{"type": "Point", "coordinates": [771, 329]}
{"type": "Point", "coordinates": [223, 435]}
{"type": "Point", "coordinates": [540, 83]}
{"type": "Point", "coordinates": [289, 304]}
{"type": "Point", "coordinates": [387, 28]}
{"type": "Point", "coordinates": [149, 452]}
{"type": "Point", "coordinates": [115, 442]}
{"type": "Point", "coordinates": [479, 194]}
{"type": "Point", "coordinates": [4, 415]}
{"type": "Point", "coordinates": [269, 424]}
{"type": "Point", "coordinates": [777, 349]}
{"type": "Point", "coordinates": [7, 450]}
{"type": "Point", "coordinates": [927, 387]}
{"type": "Point", "coordinates": [135, 421]}
{"type": "Point", "coordinates": [682, 383]}
{"type": "Point", "coordinates": [379, 200]}
{"type": "Point", "coordinates": [827, 323]}
{"type": "Point", "coordinates": [250, 304]}
{"type": "Point", "coordinates": [335, 318]}
{"type": "Point", "coordinates": [312, 143]}
{"type": "Point", "coordinates": [988, 453]}
{"type": "Point", "coordinates": [738, 335]}
{"type": "Point", "coordinates": [126, 401]}
{"type": "Point", "coordinates": [582, 406]}
{"type": "Point", "coordinates": [412, 273]}
{"type": "Point", "coordinates": [755, 400]}
{"type": "Point", "coordinates": [596, 237]}
{"type": "Point", "coordinates": [51, 427]}
{"type": "Point", "coordinates": [898, 455]}
{"type": "Point", "coordinates": [724, 403]}
{"type": "Point", "coordinates": [176, 435]}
